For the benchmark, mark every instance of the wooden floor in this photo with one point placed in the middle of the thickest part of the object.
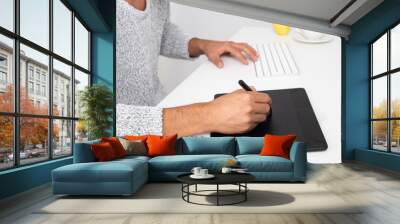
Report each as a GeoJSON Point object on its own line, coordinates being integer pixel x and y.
{"type": "Point", "coordinates": [351, 181]}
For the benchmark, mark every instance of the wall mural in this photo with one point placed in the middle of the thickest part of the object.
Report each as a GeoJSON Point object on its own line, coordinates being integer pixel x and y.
{"type": "Point", "coordinates": [294, 76]}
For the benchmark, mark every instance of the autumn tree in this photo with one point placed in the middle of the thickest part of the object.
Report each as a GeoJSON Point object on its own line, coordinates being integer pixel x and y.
{"type": "Point", "coordinates": [380, 127]}
{"type": "Point", "coordinates": [33, 131]}
{"type": "Point", "coordinates": [81, 130]}
{"type": "Point", "coordinates": [6, 122]}
{"type": "Point", "coordinates": [396, 123]}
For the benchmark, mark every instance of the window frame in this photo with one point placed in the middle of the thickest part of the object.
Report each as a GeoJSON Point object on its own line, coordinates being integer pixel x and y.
{"type": "Point", "coordinates": [16, 115]}
{"type": "Point", "coordinates": [3, 69]}
{"type": "Point", "coordinates": [388, 74]}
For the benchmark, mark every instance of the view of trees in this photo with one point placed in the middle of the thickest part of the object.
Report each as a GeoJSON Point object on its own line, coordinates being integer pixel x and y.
{"type": "Point", "coordinates": [33, 132]}
{"type": "Point", "coordinates": [380, 127]}
{"type": "Point", "coordinates": [81, 130]}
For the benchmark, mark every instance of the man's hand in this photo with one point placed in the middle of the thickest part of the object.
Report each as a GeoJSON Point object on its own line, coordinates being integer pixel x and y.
{"type": "Point", "coordinates": [240, 111]}
{"type": "Point", "coordinates": [215, 49]}
{"type": "Point", "coordinates": [237, 112]}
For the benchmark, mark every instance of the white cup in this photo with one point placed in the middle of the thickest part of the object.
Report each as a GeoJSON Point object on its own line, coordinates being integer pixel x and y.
{"type": "Point", "coordinates": [196, 171]}
{"type": "Point", "coordinates": [311, 35]}
{"type": "Point", "coordinates": [226, 170]}
{"type": "Point", "coordinates": [203, 172]}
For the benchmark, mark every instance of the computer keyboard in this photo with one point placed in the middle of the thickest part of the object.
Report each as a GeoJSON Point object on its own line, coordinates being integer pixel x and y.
{"type": "Point", "coordinates": [275, 59]}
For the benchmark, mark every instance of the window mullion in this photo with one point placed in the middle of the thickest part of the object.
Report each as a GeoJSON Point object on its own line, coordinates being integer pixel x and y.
{"type": "Point", "coordinates": [50, 81]}
{"type": "Point", "coordinates": [89, 68]}
{"type": "Point", "coordinates": [389, 101]}
{"type": "Point", "coordinates": [73, 82]}
{"type": "Point", "coordinates": [371, 140]}
{"type": "Point", "coordinates": [16, 70]}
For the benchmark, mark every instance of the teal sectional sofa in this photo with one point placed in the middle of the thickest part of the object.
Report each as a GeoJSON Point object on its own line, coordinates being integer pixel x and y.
{"type": "Point", "coordinates": [125, 176]}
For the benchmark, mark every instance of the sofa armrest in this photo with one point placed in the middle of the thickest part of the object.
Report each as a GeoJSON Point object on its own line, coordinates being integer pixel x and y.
{"type": "Point", "coordinates": [83, 152]}
{"type": "Point", "coordinates": [298, 155]}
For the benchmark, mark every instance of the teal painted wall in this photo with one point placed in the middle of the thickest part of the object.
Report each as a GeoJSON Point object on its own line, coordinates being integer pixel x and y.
{"type": "Point", "coordinates": [357, 99]}
{"type": "Point", "coordinates": [380, 159]}
{"type": "Point", "coordinates": [356, 84]}
{"type": "Point", "coordinates": [24, 178]}
{"type": "Point", "coordinates": [102, 58]}
{"type": "Point", "coordinates": [103, 61]}
{"type": "Point", "coordinates": [91, 12]}
{"type": "Point", "coordinates": [103, 47]}
{"type": "Point", "coordinates": [99, 15]}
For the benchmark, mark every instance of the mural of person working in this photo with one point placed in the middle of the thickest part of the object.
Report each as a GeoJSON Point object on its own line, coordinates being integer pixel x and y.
{"type": "Point", "coordinates": [144, 32]}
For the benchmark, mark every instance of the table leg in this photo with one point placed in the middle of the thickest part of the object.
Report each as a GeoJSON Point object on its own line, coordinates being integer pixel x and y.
{"type": "Point", "coordinates": [245, 193]}
{"type": "Point", "coordinates": [188, 189]}
{"type": "Point", "coordinates": [182, 188]}
{"type": "Point", "coordinates": [195, 188]}
{"type": "Point", "coordinates": [217, 194]}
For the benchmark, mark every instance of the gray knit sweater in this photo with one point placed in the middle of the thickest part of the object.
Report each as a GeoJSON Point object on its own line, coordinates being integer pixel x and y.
{"type": "Point", "coordinates": [141, 37]}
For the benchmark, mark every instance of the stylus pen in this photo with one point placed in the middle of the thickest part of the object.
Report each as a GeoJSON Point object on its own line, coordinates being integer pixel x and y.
{"type": "Point", "coordinates": [244, 85]}
{"type": "Point", "coordinates": [247, 88]}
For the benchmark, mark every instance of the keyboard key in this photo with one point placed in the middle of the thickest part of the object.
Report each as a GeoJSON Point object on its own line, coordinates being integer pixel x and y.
{"type": "Point", "coordinates": [275, 59]}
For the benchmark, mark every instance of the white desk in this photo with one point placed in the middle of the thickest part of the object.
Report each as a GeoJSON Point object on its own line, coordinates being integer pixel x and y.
{"type": "Point", "coordinates": [320, 74]}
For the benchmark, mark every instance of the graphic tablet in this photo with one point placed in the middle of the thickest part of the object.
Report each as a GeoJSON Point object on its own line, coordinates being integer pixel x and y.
{"type": "Point", "coordinates": [292, 113]}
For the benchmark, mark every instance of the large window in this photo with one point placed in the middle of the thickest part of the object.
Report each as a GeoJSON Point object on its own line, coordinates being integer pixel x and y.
{"type": "Point", "coordinates": [385, 91]}
{"type": "Point", "coordinates": [44, 65]}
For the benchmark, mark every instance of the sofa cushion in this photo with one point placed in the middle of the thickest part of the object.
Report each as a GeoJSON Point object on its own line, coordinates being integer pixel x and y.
{"type": "Point", "coordinates": [136, 147]}
{"type": "Point", "coordinates": [103, 152]}
{"type": "Point", "coordinates": [257, 163]}
{"type": "Point", "coordinates": [206, 145]}
{"type": "Point", "coordinates": [116, 145]}
{"type": "Point", "coordinates": [161, 145]}
{"type": "Point", "coordinates": [249, 145]}
{"type": "Point", "coordinates": [83, 152]}
{"type": "Point", "coordinates": [185, 163]}
{"type": "Point", "coordinates": [277, 145]}
{"type": "Point", "coordinates": [142, 138]}
{"type": "Point", "coordinates": [131, 158]}
{"type": "Point", "coordinates": [113, 171]}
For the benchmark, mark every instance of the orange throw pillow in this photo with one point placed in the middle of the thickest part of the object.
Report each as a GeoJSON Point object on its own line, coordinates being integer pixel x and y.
{"type": "Point", "coordinates": [136, 138]}
{"type": "Point", "coordinates": [103, 152]}
{"type": "Point", "coordinates": [277, 145]}
{"type": "Point", "coordinates": [116, 145]}
{"type": "Point", "coordinates": [161, 145]}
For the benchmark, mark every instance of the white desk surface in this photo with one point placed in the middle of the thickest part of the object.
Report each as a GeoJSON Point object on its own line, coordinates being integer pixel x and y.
{"type": "Point", "coordinates": [320, 74]}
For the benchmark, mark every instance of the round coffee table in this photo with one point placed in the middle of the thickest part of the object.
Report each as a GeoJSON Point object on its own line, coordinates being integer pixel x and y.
{"type": "Point", "coordinates": [238, 179]}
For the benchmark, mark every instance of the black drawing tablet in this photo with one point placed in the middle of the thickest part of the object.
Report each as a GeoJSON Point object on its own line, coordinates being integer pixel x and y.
{"type": "Point", "coordinates": [292, 113]}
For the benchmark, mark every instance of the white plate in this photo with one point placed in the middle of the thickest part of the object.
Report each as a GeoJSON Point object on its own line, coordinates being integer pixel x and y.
{"type": "Point", "coordinates": [208, 176]}
{"type": "Point", "coordinates": [324, 39]}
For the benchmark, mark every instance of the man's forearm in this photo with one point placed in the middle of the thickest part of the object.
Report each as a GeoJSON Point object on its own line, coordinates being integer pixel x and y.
{"type": "Point", "coordinates": [196, 47]}
{"type": "Point", "coordinates": [187, 120]}
{"type": "Point", "coordinates": [236, 112]}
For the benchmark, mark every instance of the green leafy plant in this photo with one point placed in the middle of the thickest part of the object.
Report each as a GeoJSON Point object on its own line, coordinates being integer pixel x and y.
{"type": "Point", "coordinates": [96, 102]}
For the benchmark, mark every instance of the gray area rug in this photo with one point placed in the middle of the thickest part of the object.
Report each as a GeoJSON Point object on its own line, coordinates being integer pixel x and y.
{"type": "Point", "coordinates": [166, 198]}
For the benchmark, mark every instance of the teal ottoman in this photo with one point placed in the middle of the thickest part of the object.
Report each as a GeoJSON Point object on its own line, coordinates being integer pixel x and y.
{"type": "Point", "coordinates": [118, 177]}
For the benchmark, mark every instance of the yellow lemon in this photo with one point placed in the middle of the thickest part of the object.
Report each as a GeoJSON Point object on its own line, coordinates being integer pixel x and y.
{"type": "Point", "coordinates": [281, 30]}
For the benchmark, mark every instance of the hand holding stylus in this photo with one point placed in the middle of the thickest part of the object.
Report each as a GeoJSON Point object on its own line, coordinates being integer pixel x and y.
{"type": "Point", "coordinates": [241, 110]}
{"type": "Point", "coordinates": [233, 113]}
{"type": "Point", "coordinates": [248, 88]}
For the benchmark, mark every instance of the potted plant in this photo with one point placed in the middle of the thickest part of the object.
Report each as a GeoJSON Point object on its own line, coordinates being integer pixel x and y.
{"type": "Point", "coordinates": [96, 103]}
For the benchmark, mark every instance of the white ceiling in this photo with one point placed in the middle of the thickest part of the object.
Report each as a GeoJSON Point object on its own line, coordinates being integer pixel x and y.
{"type": "Point", "coordinates": [317, 15]}
{"type": "Point", "coordinates": [320, 9]}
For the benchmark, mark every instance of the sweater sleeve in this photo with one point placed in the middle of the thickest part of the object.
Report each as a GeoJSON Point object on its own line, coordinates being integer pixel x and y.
{"type": "Point", "coordinates": [138, 120]}
{"type": "Point", "coordinates": [174, 42]}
